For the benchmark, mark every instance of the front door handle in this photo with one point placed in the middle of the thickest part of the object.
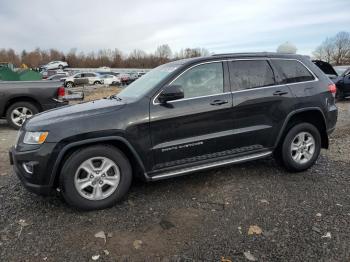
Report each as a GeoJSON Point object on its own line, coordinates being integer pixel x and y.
{"type": "Point", "coordinates": [218, 102]}
{"type": "Point", "coordinates": [280, 93]}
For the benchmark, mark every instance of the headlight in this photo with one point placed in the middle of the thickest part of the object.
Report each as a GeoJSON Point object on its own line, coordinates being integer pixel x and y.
{"type": "Point", "coordinates": [35, 138]}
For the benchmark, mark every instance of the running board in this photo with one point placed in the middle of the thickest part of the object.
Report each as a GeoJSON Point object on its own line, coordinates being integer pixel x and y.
{"type": "Point", "coordinates": [187, 170]}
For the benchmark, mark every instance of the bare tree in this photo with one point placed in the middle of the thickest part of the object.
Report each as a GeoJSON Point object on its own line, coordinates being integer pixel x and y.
{"type": "Point", "coordinates": [163, 52]}
{"type": "Point", "coordinates": [341, 47]}
{"type": "Point", "coordinates": [105, 57]}
{"type": "Point", "coordinates": [335, 50]}
{"type": "Point", "coordinates": [191, 52]}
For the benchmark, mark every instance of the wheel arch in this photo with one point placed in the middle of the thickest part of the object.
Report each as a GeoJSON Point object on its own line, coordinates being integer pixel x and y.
{"type": "Point", "coordinates": [119, 142]}
{"type": "Point", "coordinates": [312, 115]}
{"type": "Point", "coordinates": [17, 99]}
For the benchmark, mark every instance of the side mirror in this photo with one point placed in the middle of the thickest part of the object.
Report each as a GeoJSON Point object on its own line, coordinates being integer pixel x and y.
{"type": "Point", "coordinates": [170, 93]}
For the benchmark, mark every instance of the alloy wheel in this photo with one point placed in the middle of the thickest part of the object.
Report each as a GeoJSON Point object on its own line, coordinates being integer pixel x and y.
{"type": "Point", "coordinates": [20, 114]}
{"type": "Point", "coordinates": [303, 147]}
{"type": "Point", "coordinates": [97, 178]}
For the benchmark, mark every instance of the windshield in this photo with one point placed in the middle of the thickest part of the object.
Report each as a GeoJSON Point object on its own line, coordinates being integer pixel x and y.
{"type": "Point", "coordinates": [341, 69]}
{"type": "Point", "coordinates": [346, 72]}
{"type": "Point", "coordinates": [143, 85]}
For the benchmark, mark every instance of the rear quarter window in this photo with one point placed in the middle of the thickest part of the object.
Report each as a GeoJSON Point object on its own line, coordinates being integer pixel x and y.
{"type": "Point", "coordinates": [291, 71]}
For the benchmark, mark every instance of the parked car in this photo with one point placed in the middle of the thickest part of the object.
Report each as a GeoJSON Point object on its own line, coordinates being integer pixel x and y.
{"type": "Point", "coordinates": [181, 117]}
{"type": "Point", "coordinates": [60, 76]}
{"type": "Point", "coordinates": [48, 73]}
{"type": "Point", "coordinates": [110, 80]}
{"type": "Point", "coordinates": [108, 73]}
{"type": "Point", "coordinates": [128, 78]}
{"type": "Point", "coordinates": [139, 74]}
{"type": "Point", "coordinates": [83, 79]}
{"type": "Point", "coordinates": [55, 65]}
{"type": "Point", "coordinates": [125, 79]}
{"type": "Point", "coordinates": [20, 100]}
{"type": "Point", "coordinates": [342, 80]}
{"type": "Point", "coordinates": [343, 85]}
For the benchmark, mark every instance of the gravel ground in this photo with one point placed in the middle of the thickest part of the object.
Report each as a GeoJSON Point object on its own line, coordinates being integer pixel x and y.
{"type": "Point", "coordinates": [254, 210]}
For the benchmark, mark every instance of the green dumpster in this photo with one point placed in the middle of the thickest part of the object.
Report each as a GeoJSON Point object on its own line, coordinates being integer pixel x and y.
{"type": "Point", "coordinates": [6, 74]}
{"type": "Point", "coordinates": [29, 75]}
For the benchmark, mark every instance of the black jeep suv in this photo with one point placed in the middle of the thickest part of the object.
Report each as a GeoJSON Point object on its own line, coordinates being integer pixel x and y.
{"type": "Point", "coordinates": [181, 117]}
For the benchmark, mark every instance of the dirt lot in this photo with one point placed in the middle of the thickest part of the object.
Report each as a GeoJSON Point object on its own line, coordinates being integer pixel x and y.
{"type": "Point", "coordinates": [204, 216]}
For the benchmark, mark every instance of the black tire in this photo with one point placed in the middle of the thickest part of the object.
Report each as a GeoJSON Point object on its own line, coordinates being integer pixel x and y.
{"type": "Point", "coordinates": [60, 67]}
{"type": "Point", "coordinates": [97, 83]}
{"type": "Point", "coordinates": [66, 179]}
{"type": "Point", "coordinates": [69, 84]}
{"type": "Point", "coordinates": [284, 154]}
{"type": "Point", "coordinates": [30, 106]}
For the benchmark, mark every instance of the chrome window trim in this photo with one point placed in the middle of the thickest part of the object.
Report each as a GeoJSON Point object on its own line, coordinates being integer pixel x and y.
{"type": "Point", "coordinates": [307, 68]}
{"type": "Point", "coordinates": [237, 91]}
{"type": "Point", "coordinates": [183, 99]}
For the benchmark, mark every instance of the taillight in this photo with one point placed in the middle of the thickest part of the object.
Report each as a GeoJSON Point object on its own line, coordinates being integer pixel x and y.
{"type": "Point", "coordinates": [61, 92]}
{"type": "Point", "coordinates": [332, 88]}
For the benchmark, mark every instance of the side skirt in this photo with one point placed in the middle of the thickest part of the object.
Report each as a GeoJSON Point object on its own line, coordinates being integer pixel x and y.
{"type": "Point", "coordinates": [186, 170]}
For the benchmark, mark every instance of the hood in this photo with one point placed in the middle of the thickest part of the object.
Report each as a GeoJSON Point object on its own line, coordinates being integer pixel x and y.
{"type": "Point", "coordinates": [72, 112]}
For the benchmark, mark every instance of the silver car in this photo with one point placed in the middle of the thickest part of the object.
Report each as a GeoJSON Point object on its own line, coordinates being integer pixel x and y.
{"type": "Point", "coordinates": [84, 79]}
{"type": "Point", "coordinates": [55, 65]}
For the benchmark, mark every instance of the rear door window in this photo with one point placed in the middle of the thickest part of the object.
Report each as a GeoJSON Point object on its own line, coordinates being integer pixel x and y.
{"type": "Point", "coordinates": [89, 75]}
{"type": "Point", "coordinates": [291, 71]}
{"type": "Point", "coordinates": [249, 74]}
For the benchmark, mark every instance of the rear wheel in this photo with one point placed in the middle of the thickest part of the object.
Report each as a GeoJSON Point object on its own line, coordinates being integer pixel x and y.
{"type": "Point", "coordinates": [97, 83]}
{"type": "Point", "coordinates": [300, 148]}
{"type": "Point", "coordinates": [60, 67]}
{"type": "Point", "coordinates": [19, 112]}
{"type": "Point", "coordinates": [69, 84]}
{"type": "Point", "coordinates": [95, 177]}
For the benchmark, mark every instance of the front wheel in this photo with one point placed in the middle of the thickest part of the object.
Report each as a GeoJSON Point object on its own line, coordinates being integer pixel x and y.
{"type": "Point", "coordinates": [301, 147]}
{"type": "Point", "coordinates": [95, 177]}
{"type": "Point", "coordinates": [97, 83]}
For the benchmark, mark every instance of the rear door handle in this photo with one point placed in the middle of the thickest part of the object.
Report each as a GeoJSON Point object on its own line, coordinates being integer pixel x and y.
{"type": "Point", "coordinates": [218, 102]}
{"type": "Point", "coordinates": [280, 93]}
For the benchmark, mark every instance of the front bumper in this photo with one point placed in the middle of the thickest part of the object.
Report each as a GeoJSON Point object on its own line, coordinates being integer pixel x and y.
{"type": "Point", "coordinates": [40, 180]}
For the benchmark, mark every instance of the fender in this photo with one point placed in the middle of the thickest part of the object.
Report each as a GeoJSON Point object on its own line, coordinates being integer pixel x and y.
{"type": "Point", "coordinates": [289, 116]}
{"type": "Point", "coordinates": [17, 98]}
{"type": "Point", "coordinates": [89, 141]}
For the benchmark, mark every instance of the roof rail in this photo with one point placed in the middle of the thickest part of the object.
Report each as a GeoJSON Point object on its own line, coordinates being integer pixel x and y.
{"type": "Point", "coordinates": [253, 54]}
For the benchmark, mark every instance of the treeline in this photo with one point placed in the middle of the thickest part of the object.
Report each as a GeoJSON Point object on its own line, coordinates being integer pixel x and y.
{"type": "Point", "coordinates": [111, 58]}
{"type": "Point", "coordinates": [335, 50]}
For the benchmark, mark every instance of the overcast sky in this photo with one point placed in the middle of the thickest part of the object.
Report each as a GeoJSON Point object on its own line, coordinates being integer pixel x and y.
{"type": "Point", "coordinates": [219, 26]}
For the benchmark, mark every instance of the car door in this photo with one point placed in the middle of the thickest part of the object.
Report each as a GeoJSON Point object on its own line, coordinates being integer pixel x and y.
{"type": "Point", "coordinates": [197, 127]}
{"type": "Point", "coordinates": [78, 79]}
{"type": "Point", "coordinates": [260, 105]}
{"type": "Point", "coordinates": [346, 84]}
{"type": "Point", "coordinates": [90, 78]}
